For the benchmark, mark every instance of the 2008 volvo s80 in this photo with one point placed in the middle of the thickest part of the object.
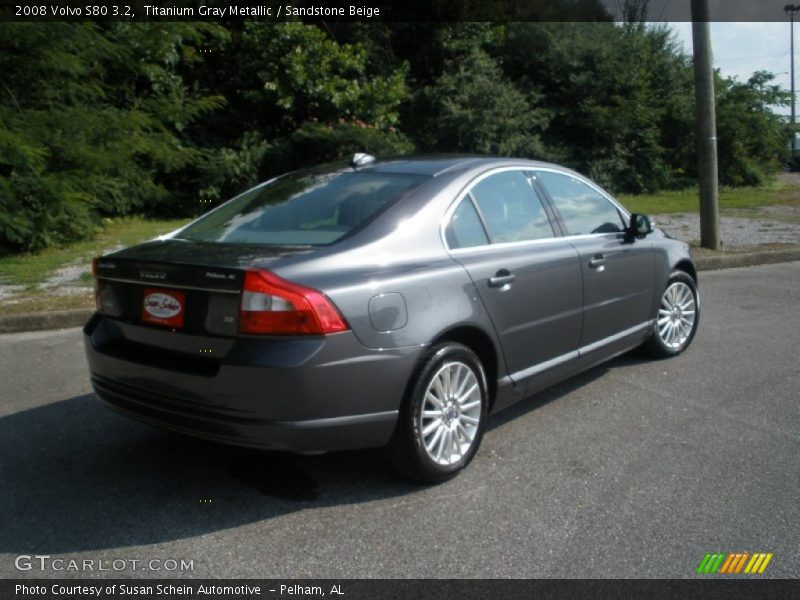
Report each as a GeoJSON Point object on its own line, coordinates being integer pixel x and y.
{"type": "Point", "coordinates": [390, 303]}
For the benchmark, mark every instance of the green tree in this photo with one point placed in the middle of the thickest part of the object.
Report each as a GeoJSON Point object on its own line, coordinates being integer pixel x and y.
{"type": "Point", "coordinates": [90, 125]}
{"type": "Point", "coordinates": [295, 96]}
{"type": "Point", "coordinates": [615, 93]}
{"type": "Point", "coordinates": [471, 106]}
{"type": "Point", "coordinates": [169, 118]}
{"type": "Point", "coordinates": [753, 141]}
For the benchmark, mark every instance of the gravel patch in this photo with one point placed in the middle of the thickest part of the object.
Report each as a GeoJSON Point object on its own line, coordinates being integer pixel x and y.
{"type": "Point", "coordinates": [6, 290]}
{"type": "Point", "coordinates": [785, 214]}
{"type": "Point", "coordinates": [736, 231]}
{"type": "Point", "coordinates": [67, 274]}
{"type": "Point", "coordinates": [66, 281]}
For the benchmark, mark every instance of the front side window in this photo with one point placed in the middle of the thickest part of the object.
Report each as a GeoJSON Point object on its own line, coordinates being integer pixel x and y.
{"type": "Point", "coordinates": [511, 210]}
{"type": "Point", "coordinates": [583, 209]}
{"type": "Point", "coordinates": [305, 208]}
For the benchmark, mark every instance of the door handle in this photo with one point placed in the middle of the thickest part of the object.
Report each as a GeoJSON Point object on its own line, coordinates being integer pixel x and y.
{"type": "Point", "coordinates": [598, 262]}
{"type": "Point", "coordinates": [502, 278]}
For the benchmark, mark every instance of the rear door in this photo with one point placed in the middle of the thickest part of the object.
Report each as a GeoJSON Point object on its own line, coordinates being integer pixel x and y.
{"type": "Point", "coordinates": [617, 270]}
{"type": "Point", "coordinates": [528, 279]}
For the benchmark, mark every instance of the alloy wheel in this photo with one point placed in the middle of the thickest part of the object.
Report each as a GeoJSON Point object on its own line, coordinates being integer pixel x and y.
{"type": "Point", "coordinates": [451, 413]}
{"type": "Point", "coordinates": [676, 315]}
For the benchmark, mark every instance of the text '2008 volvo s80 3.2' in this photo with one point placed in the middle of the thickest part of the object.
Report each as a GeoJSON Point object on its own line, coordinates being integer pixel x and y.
{"type": "Point", "coordinates": [383, 303]}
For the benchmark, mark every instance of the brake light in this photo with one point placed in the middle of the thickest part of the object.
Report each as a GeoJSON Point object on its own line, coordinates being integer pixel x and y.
{"type": "Point", "coordinates": [95, 283]}
{"type": "Point", "coordinates": [274, 306]}
{"type": "Point", "coordinates": [104, 298]}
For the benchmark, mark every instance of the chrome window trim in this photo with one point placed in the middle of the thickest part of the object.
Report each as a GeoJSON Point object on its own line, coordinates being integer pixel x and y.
{"type": "Point", "coordinates": [448, 214]}
{"type": "Point", "coordinates": [501, 245]}
{"type": "Point", "coordinates": [467, 189]}
{"type": "Point", "coordinates": [591, 184]}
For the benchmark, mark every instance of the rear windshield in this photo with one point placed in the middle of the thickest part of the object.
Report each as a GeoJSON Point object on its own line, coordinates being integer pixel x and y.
{"type": "Point", "coordinates": [304, 208]}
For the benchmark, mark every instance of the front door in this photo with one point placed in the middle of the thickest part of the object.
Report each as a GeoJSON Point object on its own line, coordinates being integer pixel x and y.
{"type": "Point", "coordinates": [617, 270]}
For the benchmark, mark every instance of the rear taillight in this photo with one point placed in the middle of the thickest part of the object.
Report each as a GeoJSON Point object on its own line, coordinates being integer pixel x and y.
{"type": "Point", "coordinates": [104, 298]}
{"type": "Point", "coordinates": [274, 306]}
{"type": "Point", "coordinates": [94, 282]}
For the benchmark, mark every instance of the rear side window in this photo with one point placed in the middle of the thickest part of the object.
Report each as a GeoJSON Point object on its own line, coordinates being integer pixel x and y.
{"type": "Point", "coordinates": [465, 229]}
{"type": "Point", "coordinates": [511, 209]}
{"type": "Point", "coordinates": [583, 209]}
{"type": "Point", "coordinates": [304, 209]}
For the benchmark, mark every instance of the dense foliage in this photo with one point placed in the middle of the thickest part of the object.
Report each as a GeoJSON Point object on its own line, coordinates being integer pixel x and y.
{"type": "Point", "coordinates": [169, 119]}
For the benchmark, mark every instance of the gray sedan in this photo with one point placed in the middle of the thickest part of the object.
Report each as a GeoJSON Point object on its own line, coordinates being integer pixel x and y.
{"type": "Point", "coordinates": [392, 303]}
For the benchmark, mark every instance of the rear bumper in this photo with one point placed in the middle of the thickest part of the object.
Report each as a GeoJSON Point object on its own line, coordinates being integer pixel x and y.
{"type": "Point", "coordinates": [335, 433]}
{"type": "Point", "coordinates": [303, 395]}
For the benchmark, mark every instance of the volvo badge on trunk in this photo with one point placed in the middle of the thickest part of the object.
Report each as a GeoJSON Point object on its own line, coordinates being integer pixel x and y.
{"type": "Point", "coordinates": [152, 275]}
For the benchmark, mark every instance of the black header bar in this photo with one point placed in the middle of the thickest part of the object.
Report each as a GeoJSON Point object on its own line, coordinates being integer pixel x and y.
{"type": "Point", "coordinates": [385, 10]}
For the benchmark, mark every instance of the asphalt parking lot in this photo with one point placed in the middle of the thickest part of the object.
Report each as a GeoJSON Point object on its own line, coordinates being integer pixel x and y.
{"type": "Point", "coordinates": [634, 469]}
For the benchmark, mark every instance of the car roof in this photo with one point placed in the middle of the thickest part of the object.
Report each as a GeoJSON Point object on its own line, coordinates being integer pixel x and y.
{"type": "Point", "coordinates": [435, 165]}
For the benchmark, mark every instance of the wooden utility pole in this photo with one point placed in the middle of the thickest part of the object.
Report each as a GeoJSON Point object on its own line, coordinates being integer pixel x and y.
{"type": "Point", "coordinates": [790, 10]}
{"type": "Point", "coordinates": [705, 116]}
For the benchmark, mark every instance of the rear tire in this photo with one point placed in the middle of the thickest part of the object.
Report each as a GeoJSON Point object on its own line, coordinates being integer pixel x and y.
{"type": "Point", "coordinates": [443, 417]}
{"type": "Point", "coordinates": [677, 317]}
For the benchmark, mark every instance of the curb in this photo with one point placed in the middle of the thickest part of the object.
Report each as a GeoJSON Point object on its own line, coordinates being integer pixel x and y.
{"type": "Point", "coordinates": [62, 319]}
{"type": "Point", "coordinates": [746, 259]}
{"type": "Point", "coordinates": [56, 319]}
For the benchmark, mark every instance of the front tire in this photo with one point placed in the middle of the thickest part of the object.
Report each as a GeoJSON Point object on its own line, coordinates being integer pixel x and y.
{"type": "Point", "coordinates": [443, 416]}
{"type": "Point", "coordinates": [677, 317]}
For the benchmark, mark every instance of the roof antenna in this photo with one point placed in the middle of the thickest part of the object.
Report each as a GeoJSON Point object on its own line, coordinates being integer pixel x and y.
{"type": "Point", "coordinates": [362, 159]}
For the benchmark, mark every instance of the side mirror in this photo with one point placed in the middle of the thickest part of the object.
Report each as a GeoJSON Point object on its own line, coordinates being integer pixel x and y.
{"type": "Point", "coordinates": [639, 226]}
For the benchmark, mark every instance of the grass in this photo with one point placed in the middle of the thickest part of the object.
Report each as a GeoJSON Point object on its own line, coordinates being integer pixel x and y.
{"type": "Point", "coordinates": [41, 301]}
{"type": "Point", "coordinates": [686, 201]}
{"type": "Point", "coordinates": [29, 270]}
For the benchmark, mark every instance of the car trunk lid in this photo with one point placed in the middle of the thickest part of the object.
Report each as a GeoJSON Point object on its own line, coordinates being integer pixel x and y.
{"type": "Point", "coordinates": [181, 286]}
